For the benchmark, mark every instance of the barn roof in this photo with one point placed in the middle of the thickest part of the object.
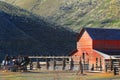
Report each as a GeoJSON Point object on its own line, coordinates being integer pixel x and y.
{"type": "Point", "coordinates": [109, 53]}
{"type": "Point", "coordinates": [103, 33]}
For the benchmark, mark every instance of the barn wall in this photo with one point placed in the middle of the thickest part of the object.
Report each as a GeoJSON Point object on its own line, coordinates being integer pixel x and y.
{"type": "Point", "coordinates": [106, 44]}
{"type": "Point", "coordinates": [90, 55]}
{"type": "Point", "coordinates": [93, 57]}
{"type": "Point", "coordinates": [85, 42]}
{"type": "Point", "coordinates": [84, 45]}
{"type": "Point", "coordinates": [87, 46]}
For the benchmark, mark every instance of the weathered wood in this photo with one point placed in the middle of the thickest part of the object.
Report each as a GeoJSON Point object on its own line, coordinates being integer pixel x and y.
{"type": "Point", "coordinates": [81, 67]}
{"type": "Point", "coordinates": [44, 57]}
{"type": "Point", "coordinates": [54, 64]}
{"type": "Point", "coordinates": [100, 64]}
{"type": "Point", "coordinates": [106, 68]}
{"type": "Point", "coordinates": [71, 64]}
{"type": "Point", "coordinates": [60, 63]}
{"type": "Point", "coordinates": [31, 65]}
{"type": "Point", "coordinates": [38, 65]}
{"type": "Point", "coordinates": [47, 64]}
{"type": "Point", "coordinates": [63, 64]}
{"type": "Point", "coordinates": [111, 64]}
{"type": "Point", "coordinates": [80, 70]}
{"type": "Point", "coordinates": [92, 67]}
{"type": "Point", "coordinates": [116, 71]}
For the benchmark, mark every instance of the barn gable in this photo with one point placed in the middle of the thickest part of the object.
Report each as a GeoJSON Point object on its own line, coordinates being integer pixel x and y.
{"type": "Point", "coordinates": [84, 41]}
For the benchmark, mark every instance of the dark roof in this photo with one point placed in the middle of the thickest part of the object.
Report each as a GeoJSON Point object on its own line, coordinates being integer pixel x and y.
{"type": "Point", "coordinates": [110, 52]}
{"type": "Point", "coordinates": [73, 52]}
{"type": "Point", "coordinates": [103, 33]}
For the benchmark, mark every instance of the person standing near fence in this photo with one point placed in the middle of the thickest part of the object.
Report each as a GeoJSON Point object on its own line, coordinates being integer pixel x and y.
{"type": "Point", "coordinates": [6, 62]}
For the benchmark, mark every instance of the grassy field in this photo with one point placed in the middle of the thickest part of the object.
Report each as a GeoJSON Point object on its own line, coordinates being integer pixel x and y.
{"type": "Point", "coordinates": [56, 75]}
{"type": "Point", "coordinates": [75, 14]}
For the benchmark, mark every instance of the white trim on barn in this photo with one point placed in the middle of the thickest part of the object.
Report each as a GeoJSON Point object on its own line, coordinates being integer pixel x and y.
{"type": "Point", "coordinates": [107, 56]}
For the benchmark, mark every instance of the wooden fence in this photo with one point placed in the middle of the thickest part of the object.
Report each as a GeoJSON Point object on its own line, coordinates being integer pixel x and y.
{"type": "Point", "coordinates": [55, 63]}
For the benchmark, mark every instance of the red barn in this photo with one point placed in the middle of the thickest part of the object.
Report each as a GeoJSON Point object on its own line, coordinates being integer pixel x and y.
{"type": "Point", "coordinates": [96, 46]}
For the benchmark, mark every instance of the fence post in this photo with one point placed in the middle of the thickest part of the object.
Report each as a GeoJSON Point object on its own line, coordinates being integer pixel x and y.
{"type": "Point", "coordinates": [92, 67]}
{"type": "Point", "coordinates": [63, 64]}
{"type": "Point", "coordinates": [31, 65]}
{"type": "Point", "coordinates": [80, 70]}
{"type": "Point", "coordinates": [38, 64]}
{"type": "Point", "coordinates": [81, 66]}
{"type": "Point", "coordinates": [54, 63]}
{"type": "Point", "coordinates": [71, 63]}
{"type": "Point", "coordinates": [111, 64]}
{"type": "Point", "coordinates": [88, 64]}
{"type": "Point", "coordinates": [83, 57]}
{"type": "Point", "coordinates": [115, 71]}
{"type": "Point", "coordinates": [105, 68]}
{"type": "Point", "coordinates": [119, 61]}
{"type": "Point", "coordinates": [100, 64]}
{"type": "Point", "coordinates": [47, 64]}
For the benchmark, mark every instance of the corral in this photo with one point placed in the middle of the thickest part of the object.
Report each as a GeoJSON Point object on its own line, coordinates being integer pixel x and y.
{"type": "Point", "coordinates": [93, 57]}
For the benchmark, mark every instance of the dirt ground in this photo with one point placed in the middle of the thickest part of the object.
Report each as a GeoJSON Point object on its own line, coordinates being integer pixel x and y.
{"type": "Point", "coordinates": [56, 75]}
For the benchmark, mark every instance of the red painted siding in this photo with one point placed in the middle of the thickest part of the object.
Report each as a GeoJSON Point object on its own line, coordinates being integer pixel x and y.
{"type": "Point", "coordinates": [84, 42]}
{"type": "Point", "coordinates": [106, 44]}
{"type": "Point", "coordinates": [86, 45]}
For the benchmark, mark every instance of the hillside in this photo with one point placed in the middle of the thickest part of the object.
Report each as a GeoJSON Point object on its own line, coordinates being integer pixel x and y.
{"type": "Point", "coordinates": [22, 32]}
{"type": "Point", "coordinates": [75, 14]}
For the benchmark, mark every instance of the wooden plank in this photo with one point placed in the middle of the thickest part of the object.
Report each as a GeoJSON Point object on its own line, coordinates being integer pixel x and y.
{"type": "Point", "coordinates": [44, 57]}
{"type": "Point", "coordinates": [49, 57]}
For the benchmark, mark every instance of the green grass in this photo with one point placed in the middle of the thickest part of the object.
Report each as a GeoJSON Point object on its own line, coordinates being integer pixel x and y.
{"type": "Point", "coordinates": [75, 14]}
{"type": "Point", "coordinates": [55, 75]}
{"type": "Point", "coordinates": [82, 13]}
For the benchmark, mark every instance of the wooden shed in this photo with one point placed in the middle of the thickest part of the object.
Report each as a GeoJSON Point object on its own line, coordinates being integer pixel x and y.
{"type": "Point", "coordinates": [96, 46]}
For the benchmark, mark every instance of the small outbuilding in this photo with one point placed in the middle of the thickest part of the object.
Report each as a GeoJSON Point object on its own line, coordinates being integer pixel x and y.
{"type": "Point", "coordinates": [96, 47]}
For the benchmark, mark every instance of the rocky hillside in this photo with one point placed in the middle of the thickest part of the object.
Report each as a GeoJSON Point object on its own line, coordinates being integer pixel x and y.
{"type": "Point", "coordinates": [75, 14]}
{"type": "Point", "coordinates": [22, 32]}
